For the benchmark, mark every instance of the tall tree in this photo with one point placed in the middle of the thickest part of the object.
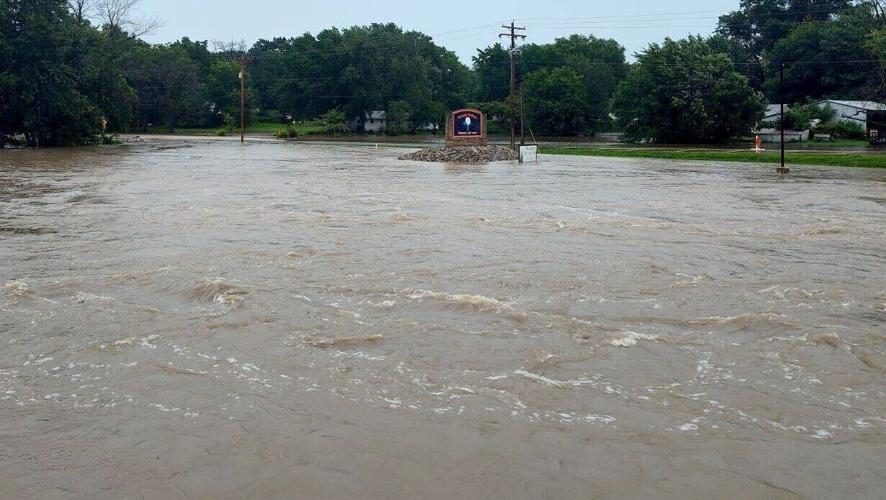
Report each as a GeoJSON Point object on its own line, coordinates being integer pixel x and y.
{"type": "Point", "coordinates": [686, 92]}
{"type": "Point", "coordinates": [120, 15]}
{"type": "Point", "coordinates": [40, 70]}
{"type": "Point", "coordinates": [752, 31]}
{"type": "Point", "coordinates": [492, 66]}
{"type": "Point", "coordinates": [557, 102]}
{"type": "Point", "coordinates": [599, 65]}
{"type": "Point", "coordinates": [825, 59]}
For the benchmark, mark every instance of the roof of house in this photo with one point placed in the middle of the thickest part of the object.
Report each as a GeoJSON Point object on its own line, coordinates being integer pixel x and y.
{"type": "Point", "coordinates": [865, 105]}
{"type": "Point", "coordinates": [375, 115]}
{"type": "Point", "coordinates": [774, 109]}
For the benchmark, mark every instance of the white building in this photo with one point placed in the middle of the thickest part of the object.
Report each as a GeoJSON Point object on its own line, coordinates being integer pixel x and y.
{"type": "Point", "coordinates": [852, 111]}
{"type": "Point", "coordinates": [373, 121]}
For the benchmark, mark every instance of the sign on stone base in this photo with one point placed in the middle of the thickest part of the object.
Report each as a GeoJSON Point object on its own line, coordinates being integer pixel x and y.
{"type": "Point", "coordinates": [466, 127]}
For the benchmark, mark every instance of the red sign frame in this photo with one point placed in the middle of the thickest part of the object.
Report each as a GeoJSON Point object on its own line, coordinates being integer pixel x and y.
{"type": "Point", "coordinates": [467, 124]}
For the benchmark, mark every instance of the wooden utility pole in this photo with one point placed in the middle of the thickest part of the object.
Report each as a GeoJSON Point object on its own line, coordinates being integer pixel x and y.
{"type": "Point", "coordinates": [512, 34]}
{"type": "Point", "coordinates": [782, 169]}
{"type": "Point", "coordinates": [242, 98]}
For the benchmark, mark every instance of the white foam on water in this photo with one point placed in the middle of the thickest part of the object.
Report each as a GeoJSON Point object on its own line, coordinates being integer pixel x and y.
{"type": "Point", "coordinates": [479, 302]}
{"type": "Point", "coordinates": [822, 434]}
{"type": "Point", "coordinates": [83, 297]}
{"type": "Point", "coordinates": [540, 379]}
{"type": "Point", "coordinates": [606, 419]}
{"type": "Point", "coordinates": [630, 339]}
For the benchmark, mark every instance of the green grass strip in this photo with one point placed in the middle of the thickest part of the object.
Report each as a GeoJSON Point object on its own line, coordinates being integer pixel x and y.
{"type": "Point", "coordinates": [836, 159]}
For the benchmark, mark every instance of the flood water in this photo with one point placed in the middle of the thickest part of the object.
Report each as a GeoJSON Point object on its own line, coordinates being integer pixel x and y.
{"type": "Point", "coordinates": [201, 319]}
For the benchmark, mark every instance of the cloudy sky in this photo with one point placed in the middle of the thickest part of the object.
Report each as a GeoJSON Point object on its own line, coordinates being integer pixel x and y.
{"type": "Point", "coordinates": [461, 26]}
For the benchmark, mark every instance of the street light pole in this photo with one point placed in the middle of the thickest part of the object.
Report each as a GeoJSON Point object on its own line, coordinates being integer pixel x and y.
{"type": "Point", "coordinates": [782, 169]}
{"type": "Point", "coordinates": [242, 99]}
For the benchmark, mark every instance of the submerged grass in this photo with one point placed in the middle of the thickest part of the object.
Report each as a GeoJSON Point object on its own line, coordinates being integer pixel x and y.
{"type": "Point", "coordinates": [837, 159]}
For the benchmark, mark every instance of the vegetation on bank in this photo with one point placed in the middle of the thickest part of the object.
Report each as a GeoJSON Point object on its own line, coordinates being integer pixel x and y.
{"type": "Point", "coordinates": [837, 159]}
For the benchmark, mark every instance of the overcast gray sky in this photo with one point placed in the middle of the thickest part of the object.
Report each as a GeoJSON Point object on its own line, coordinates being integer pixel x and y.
{"type": "Point", "coordinates": [459, 25]}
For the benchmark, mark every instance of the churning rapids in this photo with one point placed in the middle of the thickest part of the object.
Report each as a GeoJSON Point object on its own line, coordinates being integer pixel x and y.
{"type": "Point", "coordinates": [201, 319]}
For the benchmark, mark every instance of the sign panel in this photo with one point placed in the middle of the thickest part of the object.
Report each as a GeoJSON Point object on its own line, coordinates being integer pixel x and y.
{"type": "Point", "coordinates": [528, 153]}
{"type": "Point", "coordinates": [467, 123]}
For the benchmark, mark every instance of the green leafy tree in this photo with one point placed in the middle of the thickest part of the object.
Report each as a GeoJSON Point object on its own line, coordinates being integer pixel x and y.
{"type": "Point", "coordinates": [876, 46]}
{"type": "Point", "coordinates": [359, 70]}
{"type": "Point", "coordinates": [334, 122]}
{"type": "Point", "coordinates": [398, 118]}
{"type": "Point", "coordinates": [493, 69]}
{"type": "Point", "coordinates": [751, 32]}
{"type": "Point", "coordinates": [597, 65]}
{"type": "Point", "coordinates": [41, 89]}
{"type": "Point", "coordinates": [833, 60]}
{"type": "Point", "coordinates": [800, 116]}
{"type": "Point", "coordinates": [223, 91]}
{"type": "Point", "coordinates": [557, 102]}
{"type": "Point", "coordinates": [759, 24]}
{"type": "Point", "coordinates": [168, 82]}
{"type": "Point", "coordinates": [685, 92]}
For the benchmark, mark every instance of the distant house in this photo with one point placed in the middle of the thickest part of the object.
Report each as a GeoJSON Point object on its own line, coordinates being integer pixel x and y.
{"type": "Point", "coordinates": [852, 111]}
{"type": "Point", "coordinates": [373, 121]}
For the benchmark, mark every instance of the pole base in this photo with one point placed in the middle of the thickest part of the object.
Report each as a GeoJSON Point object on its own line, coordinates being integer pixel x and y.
{"type": "Point", "coordinates": [783, 170]}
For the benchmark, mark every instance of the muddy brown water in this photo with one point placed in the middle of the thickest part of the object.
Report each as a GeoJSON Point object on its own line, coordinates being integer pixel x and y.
{"type": "Point", "coordinates": [201, 319]}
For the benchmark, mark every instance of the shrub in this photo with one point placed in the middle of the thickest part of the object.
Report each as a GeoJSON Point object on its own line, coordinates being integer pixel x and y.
{"type": "Point", "coordinates": [287, 132]}
{"type": "Point", "coordinates": [270, 115]}
{"type": "Point", "coordinates": [109, 139]}
{"type": "Point", "coordinates": [799, 117]}
{"type": "Point", "coordinates": [334, 122]}
{"type": "Point", "coordinates": [842, 130]}
{"type": "Point", "coordinates": [222, 132]}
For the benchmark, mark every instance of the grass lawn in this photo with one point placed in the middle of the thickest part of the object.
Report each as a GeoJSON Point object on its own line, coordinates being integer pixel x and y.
{"type": "Point", "coordinates": [254, 128]}
{"type": "Point", "coordinates": [838, 159]}
{"type": "Point", "coordinates": [836, 143]}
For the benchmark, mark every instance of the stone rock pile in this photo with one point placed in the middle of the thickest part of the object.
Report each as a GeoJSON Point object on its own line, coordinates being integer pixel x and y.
{"type": "Point", "coordinates": [464, 154]}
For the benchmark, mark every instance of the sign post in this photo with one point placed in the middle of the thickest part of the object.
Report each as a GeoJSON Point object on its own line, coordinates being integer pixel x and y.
{"type": "Point", "coordinates": [528, 153]}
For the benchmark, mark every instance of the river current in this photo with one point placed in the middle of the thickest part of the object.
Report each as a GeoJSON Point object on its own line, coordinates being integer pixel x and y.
{"type": "Point", "coordinates": [204, 319]}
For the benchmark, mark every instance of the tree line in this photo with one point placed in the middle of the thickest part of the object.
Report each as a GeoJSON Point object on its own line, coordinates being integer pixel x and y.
{"type": "Point", "coordinates": [698, 89]}
{"type": "Point", "coordinates": [72, 72]}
